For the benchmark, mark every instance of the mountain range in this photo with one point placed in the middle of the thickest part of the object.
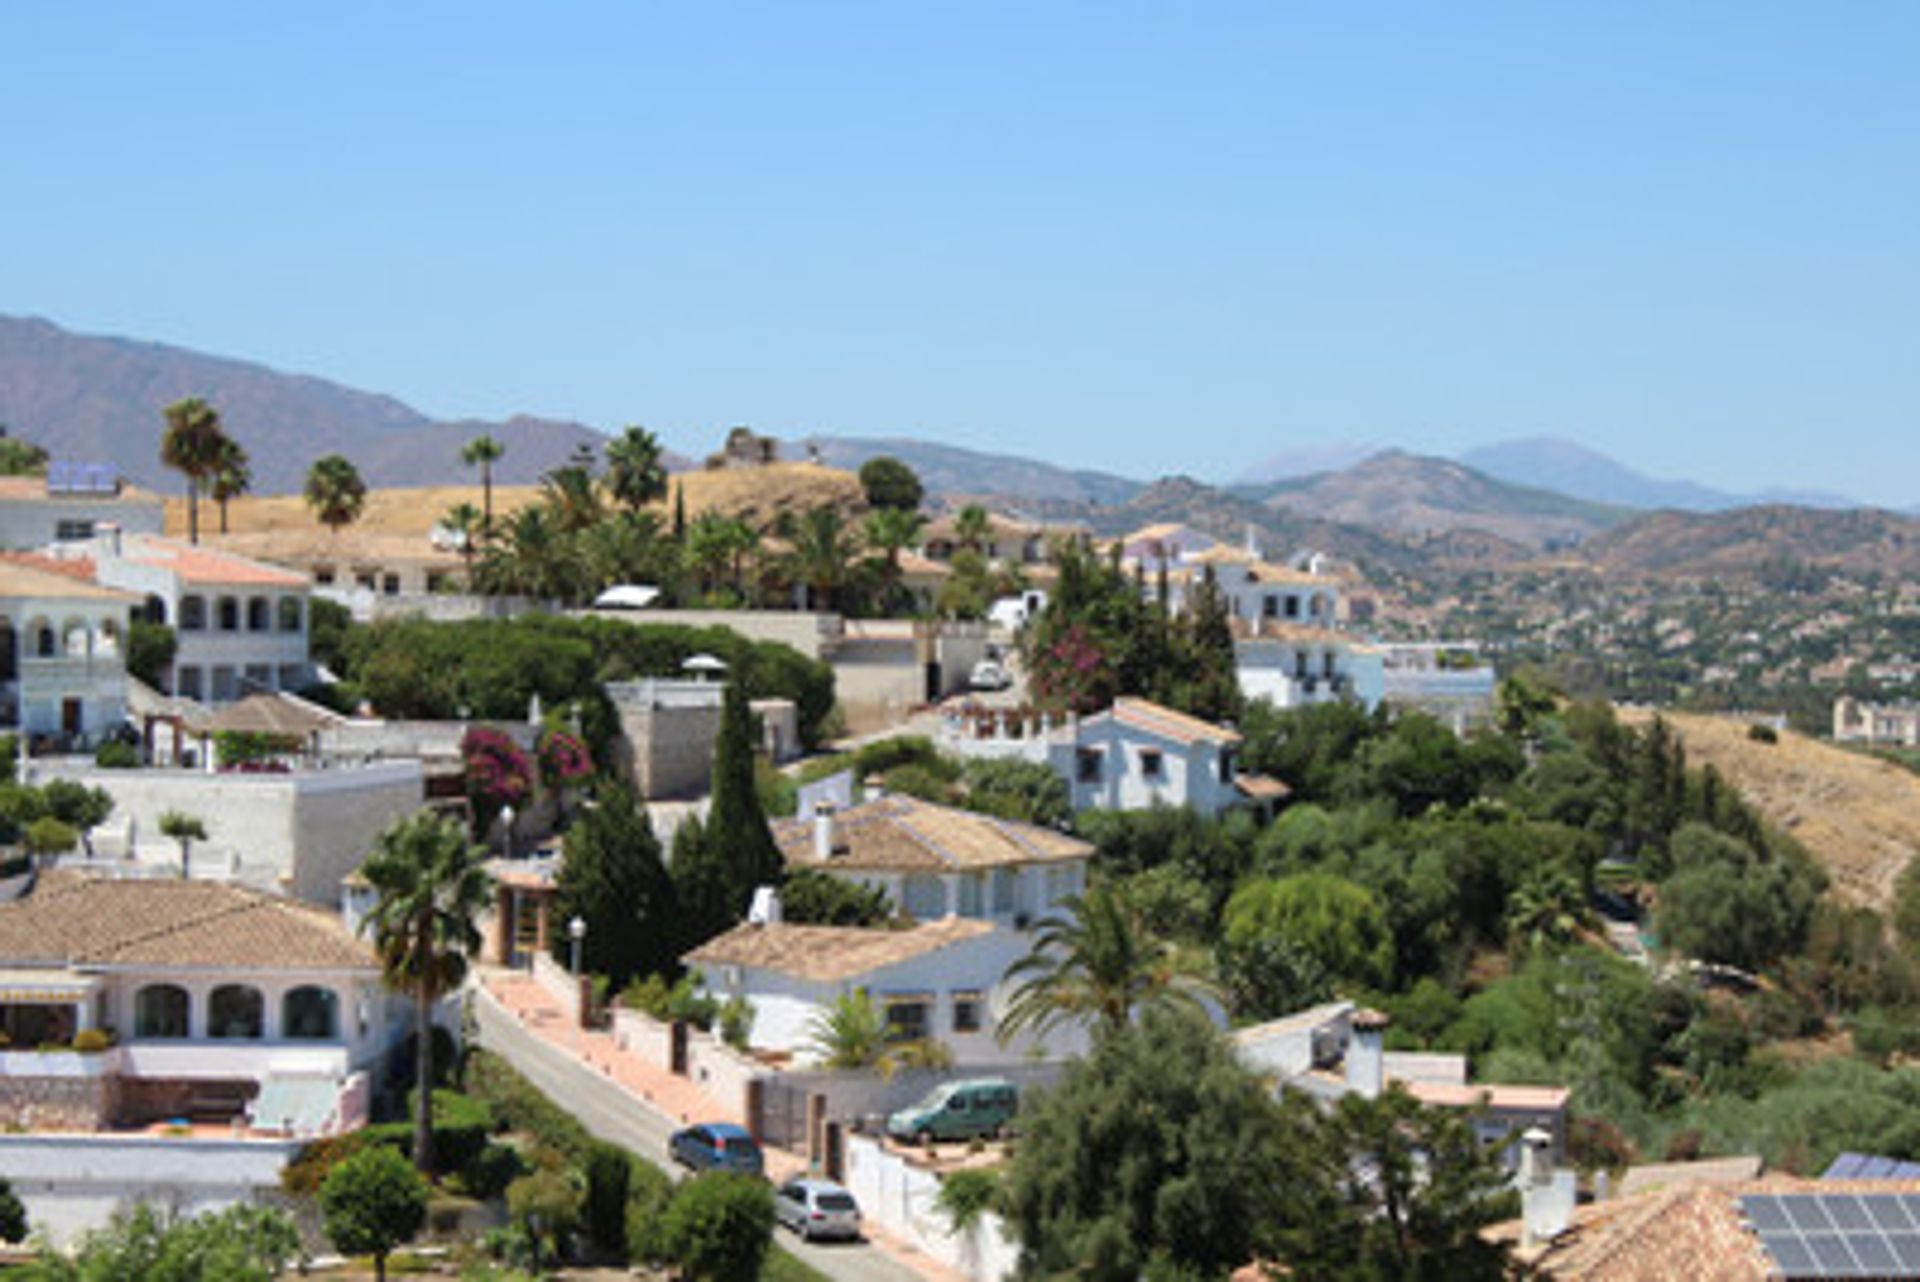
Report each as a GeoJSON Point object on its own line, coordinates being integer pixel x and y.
{"type": "Point", "coordinates": [92, 398]}
{"type": "Point", "coordinates": [95, 399]}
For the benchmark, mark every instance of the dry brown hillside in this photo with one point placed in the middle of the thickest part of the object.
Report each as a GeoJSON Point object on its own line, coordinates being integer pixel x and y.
{"type": "Point", "coordinates": [1859, 816]}
{"type": "Point", "coordinates": [758, 494]}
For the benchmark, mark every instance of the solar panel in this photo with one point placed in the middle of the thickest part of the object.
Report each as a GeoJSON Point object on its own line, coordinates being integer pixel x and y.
{"type": "Point", "coordinates": [1863, 1166]}
{"type": "Point", "coordinates": [1838, 1235]}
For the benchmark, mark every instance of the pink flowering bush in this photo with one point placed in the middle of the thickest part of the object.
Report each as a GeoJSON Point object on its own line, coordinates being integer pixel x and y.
{"type": "Point", "coordinates": [564, 760]}
{"type": "Point", "coordinates": [498, 773]}
{"type": "Point", "coordinates": [1072, 673]}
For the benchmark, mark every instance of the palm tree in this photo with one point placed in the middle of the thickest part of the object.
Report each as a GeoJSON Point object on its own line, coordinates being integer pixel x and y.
{"type": "Point", "coordinates": [853, 1033]}
{"type": "Point", "coordinates": [191, 446]}
{"type": "Point", "coordinates": [1100, 962]}
{"type": "Point", "coordinates": [232, 476]}
{"type": "Point", "coordinates": [635, 474]}
{"type": "Point", "coordinates": [534, 557]}
{"type": "Point", "coordinates": [463, 521]}
{"type": "Point", "coordinates": [335, 491]}
{"type": "Point", "coordinates": [431, 886]}
{"type": "Point", "coordinates": [627, 548]}
{"type": "Point", "coordinates": [484, 451]}
{"type": "Point", "coordinates": [891, 530]}
{"type": "Point", "coordinates": [185, 829]}
{"type": "Point", "coordinates": [823, 552]}
{"type": "Point", "coordinates": [572, 498]}
{"type": "Point", "coordinates": [709, 548]}
{"type": "Point", "coordinates": [973, 528]}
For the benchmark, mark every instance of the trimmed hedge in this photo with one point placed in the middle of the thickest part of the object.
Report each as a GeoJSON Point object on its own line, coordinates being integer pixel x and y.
{"type": "Point", "coordinates": [517, 1105]}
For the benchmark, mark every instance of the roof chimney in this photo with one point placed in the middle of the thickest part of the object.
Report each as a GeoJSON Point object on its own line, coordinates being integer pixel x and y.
{"type": "Point", "coordinates": [823, 831]}
{"type": "Point", "coordinates": [1547, 1196]}
{"type": "Point", "coordinates": [1366, 1054]}
{"type": "Point", "coordinates": [766, 907]}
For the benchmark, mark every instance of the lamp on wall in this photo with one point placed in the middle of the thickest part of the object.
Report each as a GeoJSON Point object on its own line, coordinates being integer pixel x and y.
{"type": "Point", "coordinates": [577, 929]}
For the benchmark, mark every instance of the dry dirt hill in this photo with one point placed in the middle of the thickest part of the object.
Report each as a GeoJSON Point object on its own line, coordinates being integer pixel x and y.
{"type": "Point", "coordinates": [1859, 816]}
{"type": "Point", "coordinates": [758, 495]}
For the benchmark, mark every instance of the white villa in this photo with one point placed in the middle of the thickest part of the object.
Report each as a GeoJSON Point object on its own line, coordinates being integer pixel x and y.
{"type": "Point", "coordinates": [225, 1004]}
{"type": "Point", "coordinates": [975, 884]}
{"type": "Point", "coordinates": [73, 503]}
{"type": "Point", "coordinates": [241, 624]}
{"type": "Point", "coordinates": [1134, 756]}
{"type": "Point", "coordinates": [62, 665]}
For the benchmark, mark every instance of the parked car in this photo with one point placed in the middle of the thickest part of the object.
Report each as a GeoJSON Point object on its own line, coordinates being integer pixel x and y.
{"type": "Point", "coordinates": [989, 675]}
{"type": "Point", "coordinates": [716, 1146]}
{"type": "Point", "coordinates": [817, 1209]}
{"type": "Point", "coordinates": [958, 1111]}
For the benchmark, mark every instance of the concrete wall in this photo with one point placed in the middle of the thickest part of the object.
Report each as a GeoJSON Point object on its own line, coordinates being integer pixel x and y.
{"type": "Point", "coordinates": [667, 729]}
{"type": "Point", "coordinates": [903, 1199]}
{"type": "Point", "coordinates": [810, 633]}
{"type": "Point", "coordinates": [295, 833]}
{"type": "Point", "coordinates": [853, 1096]}
{"type": "Point", "coordinates": [74, 1183]}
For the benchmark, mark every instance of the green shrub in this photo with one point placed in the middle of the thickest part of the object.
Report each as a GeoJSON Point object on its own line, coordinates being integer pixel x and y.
{"type": "Point", "coordinates": [546, 1205]}
{"type": "Point", "coordinates": [649, 1191]}
{"type": "Point", "coordinates": [967, 1195]}
{"type": "Point", "coordinates": [736, 1022]}
{"type": "Point", "coordinates": [718, 1226]}
{"type": "Point", "coordinates": [517, 1104]}
{"type": "Point", "coordinates": [1761, 732]}
{"type": "Point", "coordinates": [116, 755]}
{"type": "Point", "coordinates": [92, 1040]}
{"type": "Point", "coordinates": [609, 1170]}
{"type": "Point", "coordinates": [492, 1169]}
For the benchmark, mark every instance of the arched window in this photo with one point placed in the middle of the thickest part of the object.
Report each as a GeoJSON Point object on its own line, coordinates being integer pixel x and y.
{"type": "Point", "coordinates": [228, 610]}
{"type": "Point", "coordinates": [45, 643]}
{"type": "Point", "coordinates": [160, 1010]}
{"type": "Point", "coordinates": [155, 610]}
{"type": "Point", "coordinates": [259, 614]}
{"type": "Point", "coordinates": [193, 613]}
{"type": "Point", "coordinates": [236, 1010]}
{"type": "Point", "coordinates": [289, 614]}
{"type": "Point", "coordinates": [74, 641]}
{"type": "Point", "coordinates": [925, 897]}
{"type": "Point", "coordinates": [309, 1013]}
{"type": "Point", "coordinates": [109, 642]}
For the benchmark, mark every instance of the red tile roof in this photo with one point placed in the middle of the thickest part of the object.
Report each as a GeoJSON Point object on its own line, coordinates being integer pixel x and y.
{"type": "Point", "coordinates": [206, 566]}
{"type": "Point", "coordinates": [1168, 724]}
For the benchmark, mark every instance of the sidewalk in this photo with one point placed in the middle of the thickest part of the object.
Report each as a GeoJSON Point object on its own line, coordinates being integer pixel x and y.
{"type": "Point", "coordinates": [659, 1090]}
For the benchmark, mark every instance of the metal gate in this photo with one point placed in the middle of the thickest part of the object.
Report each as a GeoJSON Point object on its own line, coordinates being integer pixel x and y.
{"type": "Point", "coordinates": [783, 1115]}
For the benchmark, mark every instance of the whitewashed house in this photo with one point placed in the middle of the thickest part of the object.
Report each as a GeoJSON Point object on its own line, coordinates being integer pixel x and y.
{"type": "Point", "coordinates": [241, 624]}
{"type": "Point", "coordinates": [62, 650]}
{"type": "Point", "coordinates": [1134, 756]}
{"type": "Point", "coordinates": [73, 503]}
{"type": "Point", "coordinates": [224, 1003]}
{"type": "Point", "coordinates": [974, 885]}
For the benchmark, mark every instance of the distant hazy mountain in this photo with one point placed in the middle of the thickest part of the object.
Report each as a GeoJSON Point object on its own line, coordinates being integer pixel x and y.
{"type": "Point", "coordinates": [950, 470]}
{"type": "Point", "coordinates": [99, 399]}
{"type": "Point", "coordinates": [1308, 460]}
{"type": "Point", "coordinates": [1752, 539]}
{"type": "Point", "coordinates": [1553, 463]}
{"type": "Point", "coordinates": [1414, 494]}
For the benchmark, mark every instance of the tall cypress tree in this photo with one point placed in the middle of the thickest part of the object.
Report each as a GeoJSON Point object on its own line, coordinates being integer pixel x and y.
{"type": "Point", "coordinates": [718, 869]}
{"type": "Point", "coordinates": [613, 879]}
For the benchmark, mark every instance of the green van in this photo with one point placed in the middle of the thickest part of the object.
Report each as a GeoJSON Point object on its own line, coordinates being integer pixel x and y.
{"type": "Point", "coordinates": [958, 1111]}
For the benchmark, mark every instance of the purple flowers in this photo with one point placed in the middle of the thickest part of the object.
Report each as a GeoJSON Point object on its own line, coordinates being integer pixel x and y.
{"type": "Point", "coordinates": [498, 773]}
{"type": "Point", "coordinates": [564, 760]}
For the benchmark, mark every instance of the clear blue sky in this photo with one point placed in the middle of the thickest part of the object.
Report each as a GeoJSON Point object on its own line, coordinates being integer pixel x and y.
{"type": "Point", "coordinates": [1149, 238]}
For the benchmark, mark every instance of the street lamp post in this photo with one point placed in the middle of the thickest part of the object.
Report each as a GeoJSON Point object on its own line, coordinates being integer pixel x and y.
{"type": "Point", "coordinates": [506, 818]}
{"type": "Point", "coordinates": [577, 928]}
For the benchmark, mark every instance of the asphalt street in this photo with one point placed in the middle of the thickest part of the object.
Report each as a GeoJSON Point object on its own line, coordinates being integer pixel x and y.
{"type": "Point", "coordinates": [610, 1114]}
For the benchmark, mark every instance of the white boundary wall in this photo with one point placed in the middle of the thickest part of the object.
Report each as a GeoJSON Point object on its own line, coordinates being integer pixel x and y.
{"type": "Point", "coordinates": [903, 1200]}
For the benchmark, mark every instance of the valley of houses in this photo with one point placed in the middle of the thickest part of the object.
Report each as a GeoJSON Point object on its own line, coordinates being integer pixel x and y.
{"type": "Point", "coordinates": [181, 1015]}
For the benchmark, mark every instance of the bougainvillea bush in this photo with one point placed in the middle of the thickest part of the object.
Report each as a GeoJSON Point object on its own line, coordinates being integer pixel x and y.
{"type": "Point", "coordinates": [498, 774]}
{"type": "Point", "coordinates": [564, 759]}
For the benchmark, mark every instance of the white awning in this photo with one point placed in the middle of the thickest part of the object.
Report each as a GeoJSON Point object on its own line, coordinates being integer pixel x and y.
{"type": "Point", "coordinates": [43, 987]}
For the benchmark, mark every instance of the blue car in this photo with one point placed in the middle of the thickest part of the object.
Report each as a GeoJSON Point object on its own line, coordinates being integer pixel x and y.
{"type": "Point", "coordinates": [716, 1146]}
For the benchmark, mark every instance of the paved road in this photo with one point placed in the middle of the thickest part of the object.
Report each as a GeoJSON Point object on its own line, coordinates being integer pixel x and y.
{"type": "Point", "coordinates": [609, 1113]}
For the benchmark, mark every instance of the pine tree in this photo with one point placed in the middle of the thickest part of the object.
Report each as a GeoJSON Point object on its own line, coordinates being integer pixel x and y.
{"type": "Point", "coordinates": [614, 880]}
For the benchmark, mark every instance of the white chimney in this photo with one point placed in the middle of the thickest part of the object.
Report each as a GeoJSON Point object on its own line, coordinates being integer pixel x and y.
{"type": "Point", "coordinates": [1366, 1054]}
{"type": "Point", "coordinates": [823, 831]}
{"type": "Point", "coordinates": [765, 910]}
{"type": "Point", "coordinates": [1547, 1196]}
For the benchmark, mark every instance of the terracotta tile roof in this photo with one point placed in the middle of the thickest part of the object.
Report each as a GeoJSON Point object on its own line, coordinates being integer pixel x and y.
{"type": "Point", "coordinates": [1290, 633]}
{"type": "Point", "coordinates": [29, 574]}
{"type": "Point", "coordinates": [1528, 1098]}
{"type": "Point", "coordinates": [1693, 1231]}
{"type": "Point", "coordinates": [1155, 533]}
{"type": "Point", "coordinates": [83, 921]}
{"type": "Point", "coordinates": [1262, 787]}
{"type": "Point", "coordinates": [830, 954]}
{"type": "Point", "coordinates": [348, 548]}
{"type": "Point", "coordinates": [904, 834]}
{"type": "Point", "coordinates": [208, 566]}
{"type": "Point", "coordinates": [1168, 724]}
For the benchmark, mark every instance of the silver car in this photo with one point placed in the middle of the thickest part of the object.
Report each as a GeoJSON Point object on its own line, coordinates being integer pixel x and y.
{"type": "Point", "coordinates": [817, 1209]}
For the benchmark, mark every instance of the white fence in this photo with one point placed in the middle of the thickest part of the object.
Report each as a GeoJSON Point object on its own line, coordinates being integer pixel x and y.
{"type": "Point", "coordinates": [903, 1199]}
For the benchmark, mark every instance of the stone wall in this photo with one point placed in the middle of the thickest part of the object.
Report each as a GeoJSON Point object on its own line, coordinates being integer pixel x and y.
{"type": "Point", "coordinates": [666, 745]}
{"type": "Point", "coordinates": [57, 1103]}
